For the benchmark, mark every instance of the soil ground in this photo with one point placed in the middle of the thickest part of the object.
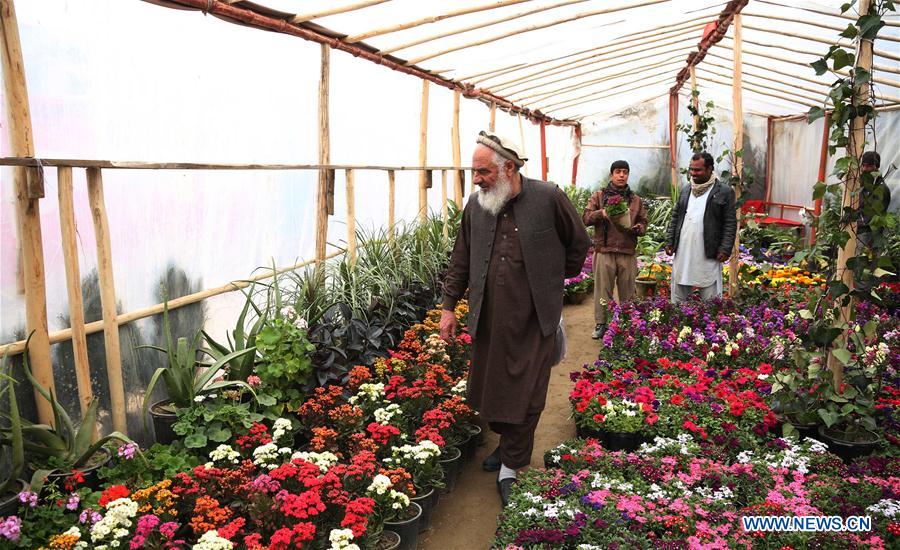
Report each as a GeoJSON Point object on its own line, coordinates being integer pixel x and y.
{"type": "Point", "coordinates": [467, 518]}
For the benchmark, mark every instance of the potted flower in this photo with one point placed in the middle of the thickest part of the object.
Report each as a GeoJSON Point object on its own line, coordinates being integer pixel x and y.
{"type": "Point", "coordinates": [796, 394]}
{"type": "Point", "coordinates": [618, 212]}
{"type": "Point", "coordinates": [186, 378]}
{"type": "Point", "coordinates": [576, 289]}
{"type": "Point", "coordinates": [421, 461]}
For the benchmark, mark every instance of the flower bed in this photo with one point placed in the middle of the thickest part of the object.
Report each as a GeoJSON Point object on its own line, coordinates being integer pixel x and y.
{"type": "Point", "coordinates": [375, 444]}
{"type": "Point", "coordinates": [673, 495]}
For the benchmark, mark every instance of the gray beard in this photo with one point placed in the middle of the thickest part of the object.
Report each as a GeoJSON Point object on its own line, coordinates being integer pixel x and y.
{"type": "Point", "coordinates": [494, 200]}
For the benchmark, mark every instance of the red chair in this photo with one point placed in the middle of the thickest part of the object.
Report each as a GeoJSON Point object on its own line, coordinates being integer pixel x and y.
{"type": "Point", "coordinates": [760, 211]}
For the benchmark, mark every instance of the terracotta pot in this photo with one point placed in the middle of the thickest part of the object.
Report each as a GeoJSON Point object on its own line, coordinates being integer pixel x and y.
{"type": "Point", "coordinates": [577, 297]}
{"type": "Point", "coordinates": [408, 529]}
{"type": "Point", "coordinates": [644, 288]}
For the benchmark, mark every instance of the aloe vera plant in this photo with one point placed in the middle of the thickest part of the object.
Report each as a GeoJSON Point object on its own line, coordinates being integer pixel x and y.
{"type": "Point", "coordinates": [14, 435]}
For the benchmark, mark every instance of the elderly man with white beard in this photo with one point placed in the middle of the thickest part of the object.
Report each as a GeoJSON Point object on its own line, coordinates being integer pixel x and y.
{"type": "Point", "coordinates": [518, 241]}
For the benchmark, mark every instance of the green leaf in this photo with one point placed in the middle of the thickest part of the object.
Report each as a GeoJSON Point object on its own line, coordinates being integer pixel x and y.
{"type": "Point", "coordinates": [846, 6]}
{"type": "Point", "coordinates": [843, 355]}
{"type": "Point", "coordinates": [195, 441]}
{"type": "Point", "coordinates": [219, 435]}
{"type": "Point", "coordinates": [819, 190]}
{"type": "Point", "coordinates": [828, 417]}
{"type": "Point", "coordinates": [266, 400]}
{"type": "Point", "coordinates": [814, 114]}
{"type": "Point", "coordinates": [820, 66]}
{"type": "Point", "coordinates": [869, 25]}
{"type": "Point", "coordinates": [841, 59]}
{"type": "Point", "coordinates": [850, 32]}
{"type": "Point", "coordinates": [806, 314]}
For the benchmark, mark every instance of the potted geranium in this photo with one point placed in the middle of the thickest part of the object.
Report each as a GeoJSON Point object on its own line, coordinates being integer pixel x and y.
{"type": "Point", "coordinates": [618, 212]}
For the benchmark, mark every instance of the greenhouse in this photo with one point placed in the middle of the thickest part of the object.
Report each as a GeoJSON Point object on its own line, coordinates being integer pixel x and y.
{"type": "Point", "coordinates": [506, 274]}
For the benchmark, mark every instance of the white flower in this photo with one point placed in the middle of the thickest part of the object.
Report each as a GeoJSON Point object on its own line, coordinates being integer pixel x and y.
{"type": "Point", "coordinates": [270, 455]}
{"type": "Point", "coordinates": [380, 484]}
{"type": "Point", "coordinates": [340, 539]}
{"type": "Point", "coordinates": [323, 460]}
{"type": "Point", "coordinates": [399, 500]}
{"type": "Point", "coordinates": [289, 312]}
{"type": "Point", "coordinates": [119, 514]}
{"type": "Point", "coordinates": [460, 387]}
{"type": "Point", "coordinates": [384, 415]}
{"type": "Point", "coordinates": [281, 427]}
{"type": "Point", "coordinates": [887, 507]}
{"type": "Point", "coordinates": [301, 323]}
{"type": "Point", "coordinates": [212, 541]}
{"type": "Point", "coordinates": [199, 398]}
{"type": "Point", "coordinates": [225, 453]}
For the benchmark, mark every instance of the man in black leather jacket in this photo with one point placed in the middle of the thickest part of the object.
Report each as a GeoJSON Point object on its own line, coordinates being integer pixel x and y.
{"type": "Point", "coordinates": [701, 233]}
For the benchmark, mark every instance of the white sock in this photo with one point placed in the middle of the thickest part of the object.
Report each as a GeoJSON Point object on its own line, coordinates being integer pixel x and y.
{"type": "Point", "coordinates": [506, 473]}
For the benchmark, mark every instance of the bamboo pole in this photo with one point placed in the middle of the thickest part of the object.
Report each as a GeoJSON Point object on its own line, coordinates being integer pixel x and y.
{"type": "Point", "coordinates": [392, 200]}
{"type": "Point", "coordinates": [324, 157]}
{"type": "Point", "coordinates": [302, 18]}
{"type": "Point", "coordinates": [624, 146]}
{"type": "Point", "coordinates": [825, 12]}
{"type": "Point", "coordinates": [445, 214]}
{"type": "Point", "coordinates": [737, 148]}
{"type": "Point", "coordinates": [351, 216]}
{"type": "Point", "coordinates": [28, 214]}
{"type": "Point", "coordinates": [577, 139]}
{"type": "Point", "coordinates": [787, 96]}
{"type": "Point", "coordinates": [605, 54]}
{"type": "Point", "coordinates": [857, 142]}
{"type": "Point", "coordinates": [522, 142]}
{"type": "Point", "coordinates": [133, 165]}
{"type": "Point", "coordinates": [504, 19]}
{"type": "Point", "coordinates": [673, 142]}
{"type": "Point", "coordinates": [617, 62]}
{"type": "Point", "coordinates": [73, 286]}
{"type": "Point", "coordinates": [812, 23]}
{"type": "Point", "coordinates": [770, 156]}
{"type": "Point", "coordinates": [658, 77]}
{"type": "Point", "coordinates": [544, 160]}
{"type": "Point", "coordinates": [429, 20]}
{"type": "Point", "coordinates": [107, 300]}
{"type": "Point", "coordinates": [816, 100]}
{"type": "Point", "coordinates": [820, 40]}
{"type": "Point", "coordinates": [614, 93]}
{"type": "Point", "coordinates": [423, 153]}
{"type": "Point", "coordinates": [492, 126]}
{"type": "Point", "coordinates": [457, 155]}
{"type": "Point", "coordinates": [842, 72]}
{"type": "Point", "coordinates": [695, 102]}
{"type": "Point", "coordinates": [530, 28]}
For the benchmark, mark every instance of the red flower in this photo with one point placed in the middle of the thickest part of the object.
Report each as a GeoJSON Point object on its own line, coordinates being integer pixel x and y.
{"type": "Point", "coordinates": [112, 493]}
{"type": "Point", "coordinates": [652, 418]}
{"type": "Point", "coordinates": [677, 399]}
{"type": "Point", "coordinates": [75, 479]}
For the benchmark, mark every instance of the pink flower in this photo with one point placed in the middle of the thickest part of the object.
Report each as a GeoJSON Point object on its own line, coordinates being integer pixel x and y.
{"type": "Point", "coordinates": [254, 381]}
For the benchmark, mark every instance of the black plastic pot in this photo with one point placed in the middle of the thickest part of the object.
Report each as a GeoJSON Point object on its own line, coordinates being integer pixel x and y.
{"type": "Point", "coordinates": [389, 541]}
{"type": "Point", "coordinates": [426, 502]}
{"type": "Point", "coordinates": [591, 433]}
{"type": "Point", "coordinates": [451, 462]}
{"type": "Point", "coordinates": [471, 445]}
{"type": "Point", "coordinates": [846, 449]}
{"type": "Point", "coordinates": [628, 442]}
{"type": "Point", "coordinates": [90, 472]}
{"type": "Point", "coordinates": [10, 503]}
{"type": "Point", "coordinates": [163, 421]}
{"type": "Point", "coordinates": [407, 529]}
{"type": "Point", "coordinates": [804, 429]}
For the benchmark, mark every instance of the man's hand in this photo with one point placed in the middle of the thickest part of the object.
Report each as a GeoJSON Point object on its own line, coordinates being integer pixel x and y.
{"type": "Point", "coordinates": [722, 256]}
{"type": "Point", "coordinates": [603, 215]}
{"type": "Point", "coordinates": [668, 249]}
{"type": "Point", "coordinates": [637, 229]}
{"type": "Point", "coordinates": [448, 325]}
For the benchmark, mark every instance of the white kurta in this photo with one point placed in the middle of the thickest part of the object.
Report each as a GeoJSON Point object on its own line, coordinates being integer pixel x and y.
{"type": "Point", "coordinates": [691, 266]}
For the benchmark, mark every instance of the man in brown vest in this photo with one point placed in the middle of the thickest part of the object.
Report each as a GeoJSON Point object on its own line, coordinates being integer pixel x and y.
{"type": "Point", "coordinates": [615, 264]}
{"type": "Point", "coordinates": [519, 239]}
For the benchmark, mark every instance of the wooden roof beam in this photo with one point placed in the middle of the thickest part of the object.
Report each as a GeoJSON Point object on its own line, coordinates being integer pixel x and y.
{"type": "Point", "coordinates": [811, 23]}
{"type": "Point", "coordinates": [721, 27]}
{"type": "Point", "coordinates": [824, 12]}
{"type": "Point", "coordinates": [302, 18]}
{"type": "Point", "coordinates": [820, 40]}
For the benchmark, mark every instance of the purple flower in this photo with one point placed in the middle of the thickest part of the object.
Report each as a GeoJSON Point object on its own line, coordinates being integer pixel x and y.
{"type": "Point", "coordinates": [127, 450]}
{"type": "Point", "coordinates": [29, 498]}
{"type": "Point", "coordinates": [11, 528]}
{"type": "Point", "coordinates": [73, 501]}
{"type": "Point", "coordinates": [89, 516]}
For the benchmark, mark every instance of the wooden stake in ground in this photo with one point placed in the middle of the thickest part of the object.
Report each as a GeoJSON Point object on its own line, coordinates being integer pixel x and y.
{"type": "Point", "coordinates": [851, 188]}
{"type": "Point", "coordinates": [738, 150]}
{"type": "Point", "coordinates": [445, 215]}
{"type": "Point", "coordinates": [493, 124]}
{"type": "Point", "coordinates": [673, 141]}
{"type": "Point", "coordinates": [457, 156]}
{"type": "Point", "coordinates": [423, 154]}
{"type": "Point", "coordinates": [107, 300]}
{"type": "Point", "coordinates": [351, 217]}
{"type": "Point", "coordinates": [324, 158]}
{"type": "Point", "coordinates": [392, 190]}
{"type": "Point", "coordinates": [28, 214]}
{"type": "Point", "coordinates": [73, 287]}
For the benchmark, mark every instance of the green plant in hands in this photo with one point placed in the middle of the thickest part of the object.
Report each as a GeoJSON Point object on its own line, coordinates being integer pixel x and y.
{"type": "Point", "coordinates": [183, 377]}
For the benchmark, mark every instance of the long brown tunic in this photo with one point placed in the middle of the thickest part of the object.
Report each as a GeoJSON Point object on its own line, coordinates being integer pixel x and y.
{"type": "Point", "coordinates": [511, 356]}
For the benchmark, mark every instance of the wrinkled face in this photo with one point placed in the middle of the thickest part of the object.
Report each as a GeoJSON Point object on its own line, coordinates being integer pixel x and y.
{"type": "Point", "coordinates": [619, 177]}
{"type": "Point", "coordinates": [700, 173]}
{"type": "Point", "coordinates": [485, 173]}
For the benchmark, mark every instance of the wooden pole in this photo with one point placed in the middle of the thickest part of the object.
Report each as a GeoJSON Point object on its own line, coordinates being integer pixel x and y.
{"type": "Point", "coordinates": [522, 142]}
{"type": "Point", "coordinates": [737, 149]}
{"type": "Point", "coordinates": [457, 155]}
{"type": "Point", "coordinates": [303, 17]}
{"type": "Point", "coordinates": [107, 300]}
{"type": "Point", "coordinates": [351, 216]}
{"type": "Point", "coordinates": [14, 348]}
{"type": "Point", "coordinates": [28, 214]}
{"type": "Point", "coordinates": [857, 142]}
{"type": "Point", "coordinates": [543, 151]}
{"type": "Point", "coordinates": [695, 102]}
{"type": "Point", "coordinates": [324, 158]}
{"type": "Point", "coordinates": [493, 124]}
{"type": "Point", "coordinates": [673, 142]}
{"type": "Point", "coordinates": [392, 190]}
{"type": "Point", "coordinates": [73, 286]}
{"type": "Point", "coordinates": [770, 156]}
{"type": "Point", "coordinates": [445, 214]}
{"type": "Point", "coordinates": [423, 154]}
{"type": "Point", "coordinates": [823, 166]}
{"type": "Point", "coordinates": [577, 154]}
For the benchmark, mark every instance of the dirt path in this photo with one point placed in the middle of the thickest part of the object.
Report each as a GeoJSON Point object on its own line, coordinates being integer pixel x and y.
{"type": "Point", "coordinates": [467, 518]}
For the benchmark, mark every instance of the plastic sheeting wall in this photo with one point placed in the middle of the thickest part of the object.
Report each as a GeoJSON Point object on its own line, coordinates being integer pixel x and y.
{"type": "Point", "coordinates": [184, 87]}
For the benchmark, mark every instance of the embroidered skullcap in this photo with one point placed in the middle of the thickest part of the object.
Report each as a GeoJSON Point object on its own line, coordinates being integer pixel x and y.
{"type": "Point", "coordinates": [504, 147]}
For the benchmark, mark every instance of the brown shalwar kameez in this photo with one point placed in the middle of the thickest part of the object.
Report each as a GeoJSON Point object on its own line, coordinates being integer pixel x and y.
{"type": "Point", "coordinates": [511, 356]}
